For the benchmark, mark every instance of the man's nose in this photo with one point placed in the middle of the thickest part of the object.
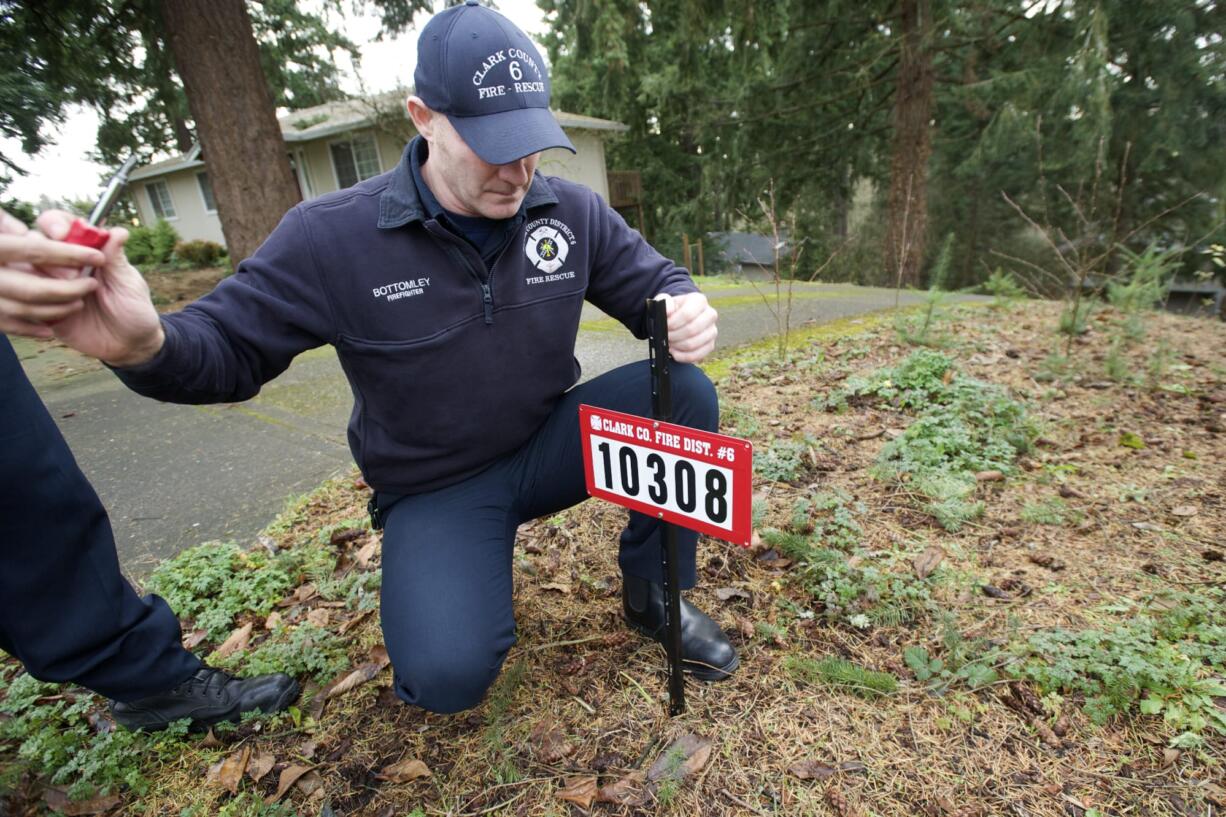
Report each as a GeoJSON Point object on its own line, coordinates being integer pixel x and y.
{"type": "Point", "coordinates": [515, 173]}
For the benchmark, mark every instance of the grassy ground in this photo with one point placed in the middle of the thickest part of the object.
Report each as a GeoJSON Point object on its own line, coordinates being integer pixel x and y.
{"type": "Point", "coordinates": [988, 580]}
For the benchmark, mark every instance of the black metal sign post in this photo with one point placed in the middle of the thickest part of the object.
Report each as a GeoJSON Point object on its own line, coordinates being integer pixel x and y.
{"type": "Point", "coordinates": [662, 409]}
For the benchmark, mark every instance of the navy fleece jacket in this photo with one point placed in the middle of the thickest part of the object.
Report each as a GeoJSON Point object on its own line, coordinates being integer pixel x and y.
{"type": "Point", "coordinates": [452, 364]}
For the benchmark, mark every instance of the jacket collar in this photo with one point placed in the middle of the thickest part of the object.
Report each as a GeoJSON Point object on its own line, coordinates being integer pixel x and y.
{"type": "Point", "coordinates": [400, 203]}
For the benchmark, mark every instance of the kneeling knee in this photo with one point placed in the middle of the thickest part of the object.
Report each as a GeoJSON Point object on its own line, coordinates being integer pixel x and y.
{"type": "Point", "coordinates": [695, 395]}
{"type": "Point", "coordinates": [445, 687]}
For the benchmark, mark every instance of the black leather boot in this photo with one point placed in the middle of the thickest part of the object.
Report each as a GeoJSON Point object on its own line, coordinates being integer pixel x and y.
{"type": "Point", "coordinates": [705, 650]}
{"type": "Point", "coordinates": [209, 696]}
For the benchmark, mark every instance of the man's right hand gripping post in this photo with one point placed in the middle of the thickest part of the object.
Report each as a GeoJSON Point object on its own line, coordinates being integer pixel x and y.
{"type": "Point", "coordinates": [43, 294]}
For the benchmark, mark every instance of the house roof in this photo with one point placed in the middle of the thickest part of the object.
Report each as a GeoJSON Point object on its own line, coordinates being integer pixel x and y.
{"type": "Point", "coordinates": [343, 115]}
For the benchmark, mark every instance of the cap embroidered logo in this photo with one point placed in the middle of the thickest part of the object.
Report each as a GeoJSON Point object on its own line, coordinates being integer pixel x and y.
{"type": "Point", "coordinates": [476, 67]}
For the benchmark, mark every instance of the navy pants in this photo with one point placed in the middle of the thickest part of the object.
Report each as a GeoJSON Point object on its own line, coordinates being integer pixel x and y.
{"type": "Point", "coordinates": [447, 554]}
{"type": "Point", "coordinates": [66, 612]}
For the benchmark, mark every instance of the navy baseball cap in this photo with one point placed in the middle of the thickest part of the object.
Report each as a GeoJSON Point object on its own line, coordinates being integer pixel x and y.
{"type": "Point", "coordinates": [476, 67]}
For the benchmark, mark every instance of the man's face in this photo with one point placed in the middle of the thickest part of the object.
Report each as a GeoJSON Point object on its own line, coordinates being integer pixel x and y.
{"type": "Point", "coordinates": [466, 184]}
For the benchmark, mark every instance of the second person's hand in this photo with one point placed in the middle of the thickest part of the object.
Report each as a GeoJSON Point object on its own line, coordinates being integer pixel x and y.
{"type": "Point", "coordinates": [117, 323]}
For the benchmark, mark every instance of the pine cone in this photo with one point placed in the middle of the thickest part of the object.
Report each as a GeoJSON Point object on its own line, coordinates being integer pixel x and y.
{"type": "Point", "coordinates": [838, 802]}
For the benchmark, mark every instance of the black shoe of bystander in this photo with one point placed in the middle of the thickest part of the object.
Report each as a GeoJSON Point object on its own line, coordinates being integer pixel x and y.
{"type": "Point", "coordinates": [209, 696]}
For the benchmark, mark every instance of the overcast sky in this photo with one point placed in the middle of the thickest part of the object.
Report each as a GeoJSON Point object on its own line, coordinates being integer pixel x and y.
{"type": "Point", "coordinates": [61, 170]}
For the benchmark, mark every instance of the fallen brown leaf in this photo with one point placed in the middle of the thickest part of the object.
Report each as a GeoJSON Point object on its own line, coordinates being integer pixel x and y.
{"type": "Point", "coordinates": [579, 790]}
{"type": "Point", "coordinates": [549, 745]}
{"type": "Point", "coordinates": [811, 770]}
{"type": "Point", "coordinates": [727, 593]}
{"type": "Point", "coordinates": [990, 476]}
{"type": "Point", "coordinates": [229, 772]}
{"type": "Point", "coordinates": [309, 783]}
{"type": "Point", "coordinates": [405, 771]}
{"type": "Point", "coordinates": [57, 800]}
{"type": "Point", "coordinates": [558, 587]}
{"type": "Point", "coordinates": [1185, 510]}
{"type": "Point", "coordinates": [355, 621]}
{"type": "Point", "coordinates": [302, 593]}
{"type": "Point", "coordinates": [366, 554]}
{"type": "Point", "coordinates": [192, 640]}
{"type": "Point", "coordinates": [687, 755]}
{"type": "Point", "coordinates": [261, 764]}
{"type": "Point", "coordinates": [318, 616]}
{"type": "Point", "coordinates": [289, 776]}
{"type": "Point", "coordinates": [1047, 560]}
{"type": "Point", "coordinates": [378, 661]}
{"type": "Point", "coordinates": [236, 642]}
{"type": "Point", "coordinates": [928, 561]}
{"type": "Point", "coordinates": [273, 621]}
{"type": "Point", "coordinates": [629, 791]}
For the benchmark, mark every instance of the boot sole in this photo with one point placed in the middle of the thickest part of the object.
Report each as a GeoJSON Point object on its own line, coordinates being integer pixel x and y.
{"type": "Point", "coordinates": [702, 672]}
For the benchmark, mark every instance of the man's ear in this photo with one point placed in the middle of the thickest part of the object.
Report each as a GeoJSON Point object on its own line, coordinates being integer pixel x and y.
{"type": "Point", "coordinates": [422, 116]}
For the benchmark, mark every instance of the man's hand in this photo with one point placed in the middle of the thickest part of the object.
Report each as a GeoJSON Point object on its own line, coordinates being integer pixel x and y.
{"type": "Point", "coordinates": [30, 299]}
{"type": "Point", "coordinates": [691, 326]}
{"type": "Point", "coordinates": [117, 323]}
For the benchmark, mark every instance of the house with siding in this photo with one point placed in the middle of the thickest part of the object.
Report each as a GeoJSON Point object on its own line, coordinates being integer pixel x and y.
{"type": "Point", "coordinates": [334, 146]}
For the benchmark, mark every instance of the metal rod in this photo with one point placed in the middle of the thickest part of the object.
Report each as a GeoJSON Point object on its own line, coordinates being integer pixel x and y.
{"type": "Point", "coordinates": [662, 409]}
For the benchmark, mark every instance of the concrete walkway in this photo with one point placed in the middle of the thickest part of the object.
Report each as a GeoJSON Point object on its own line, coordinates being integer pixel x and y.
{"type": "Point", "coordinates": [175, 476]}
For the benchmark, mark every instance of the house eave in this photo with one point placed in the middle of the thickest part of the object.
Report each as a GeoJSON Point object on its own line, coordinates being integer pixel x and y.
{"type": "Point", "coordinates": [155, 171]}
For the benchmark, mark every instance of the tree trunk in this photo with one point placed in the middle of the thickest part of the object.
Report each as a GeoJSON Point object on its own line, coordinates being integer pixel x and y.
{"type": "Point", "coordinates": [217, 58]}
{"type": "Point", "coordinates": [908, 202]}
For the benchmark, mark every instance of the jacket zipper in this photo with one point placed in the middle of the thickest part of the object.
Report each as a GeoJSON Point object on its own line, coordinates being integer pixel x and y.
{"type": "Point", "coordinates": [486, 282]}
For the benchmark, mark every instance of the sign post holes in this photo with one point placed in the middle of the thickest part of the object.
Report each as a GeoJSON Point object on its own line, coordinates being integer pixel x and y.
{"type": "Point", "coordinates": [662, 409]}
{"type": "Point", "coordinates": [682, 476]}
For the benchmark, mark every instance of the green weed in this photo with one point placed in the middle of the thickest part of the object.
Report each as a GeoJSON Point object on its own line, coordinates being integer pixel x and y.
{"type": "Point", "coordinates": [1075, 319]}
{"type": "Point", "coordinates": [842, 673]}
{"type": "Point", "coordinates": [964, 426]}
{"type": "Point", "coordinates": [215, 582]}
{"type": "Point", "coordinates": [915, 382]}
{"type": "Point", "coordinates": [920, 330]}
{"type": "Point", "coordinates": [1048, 512]}
{"type": "Point", "coordinates": [246, 804]}
{"type": "Point", "coordinates": [1164, 656]}
{"type": "Point", "coordinates": [1003, 288]}
{"type": "Point", "coordinates": [1116, 367]}
{"type": "Point", "coordinates": [879, 589]}
{"type": "Point", "coordinates": [782, 461]}
{"type": "Point", "coordinates": [305, 649]}
{"type": "Point", "coordinates": [502, 755]}
{"type": "Point", "coordinates": [964, 662]}
{"type": "Point", "coordinates": [738, 420]}
{"type": "Point", "coordinates": [1054, 367]}
{"type": "Point", "coordinates": [48, 730]}
{"type": "Point", "coordinates": [830, 518]}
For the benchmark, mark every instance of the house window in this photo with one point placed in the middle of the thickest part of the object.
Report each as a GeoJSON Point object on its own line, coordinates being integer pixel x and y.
{"type": "Point", "coordinates": [355, 159]}
{"type": "Point", "coordinates": [206, 192]}
{"type": "Point", "coordinates": [159, 199]}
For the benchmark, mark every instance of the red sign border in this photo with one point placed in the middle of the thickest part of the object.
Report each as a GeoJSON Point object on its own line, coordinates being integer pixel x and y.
{"type": "Point", "coordinates": [741, 467]}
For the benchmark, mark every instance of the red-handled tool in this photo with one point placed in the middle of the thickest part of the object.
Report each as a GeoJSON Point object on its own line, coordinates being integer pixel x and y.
{"type": "Point", "coordinates": [89, 233]}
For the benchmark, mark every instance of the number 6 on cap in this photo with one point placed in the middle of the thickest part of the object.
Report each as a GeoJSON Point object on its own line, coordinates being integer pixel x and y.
{"type": "Point", "coordinates": [692, 478]}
